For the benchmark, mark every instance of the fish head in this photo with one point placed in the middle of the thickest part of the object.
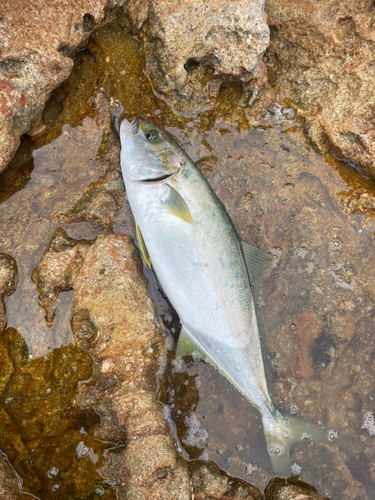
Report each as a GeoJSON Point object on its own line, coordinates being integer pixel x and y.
{"type": "Point", "coordinates": [147, 152]}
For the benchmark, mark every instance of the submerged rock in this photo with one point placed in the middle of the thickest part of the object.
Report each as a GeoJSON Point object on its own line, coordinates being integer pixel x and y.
{"type": "Point", "coordinates": [322, 58]}
{"type": "Point", "coordinates": [192, 47]}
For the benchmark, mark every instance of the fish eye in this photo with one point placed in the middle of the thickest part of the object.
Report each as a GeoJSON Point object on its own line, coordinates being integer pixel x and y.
{"type": "Point", "coordinates": [151, 135]}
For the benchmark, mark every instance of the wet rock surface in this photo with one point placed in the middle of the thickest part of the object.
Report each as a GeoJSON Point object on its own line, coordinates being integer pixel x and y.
{"type": "Point", "coordinates": [37, 43]}
{"type": "Point", "coordinates": [322, 58]}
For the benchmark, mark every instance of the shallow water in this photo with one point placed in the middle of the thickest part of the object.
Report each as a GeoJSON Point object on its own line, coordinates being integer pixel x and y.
{"type": "Point", "coordinates": [317, 301]}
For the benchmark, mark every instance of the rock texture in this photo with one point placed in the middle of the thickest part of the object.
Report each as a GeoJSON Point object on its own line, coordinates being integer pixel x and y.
{"type": "Point", "coordinates": [323, 60]}
{"type": "Point", "coordinates": [37, 42]}
{"type": "Point", "coordinates": [291, 489]}
{"type": "Point", "coordinates": [114, 320]}
{"type": "Point", "coordinates": [9, 482]}
{"type": "Point", "coordinates": [192, 47]}
{"type": "Point", "coordinates": [8, 280]}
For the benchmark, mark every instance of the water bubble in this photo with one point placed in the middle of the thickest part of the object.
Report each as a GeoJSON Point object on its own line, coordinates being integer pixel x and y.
{"type": "Point", "coordinates": [251, 468]}
{"type": "Point", "coordinates": [239, 447]}
{"type": "Point", "coordinates": [82, 450]}
{"type": "Point", "coordinates": [55, 487]}
{"type": "Point", "coordinates": [198, 383]}
{"type": "Point", "coordinates": [305, 436]}
{"type": "Point", "coordinates": [369, 423]}
{"type": "Point", "coordinates": [335, 244]}
{"type": "Point", "coordinates": [293, 409]}
{"type": "Point", "coordinates": [52, 472]}
{"type": "Point", "coordinates": [99, 490]}
{"type": "Point", "coordinates": [332, 435]}
{"type": "Point", "coordinates": [195, 436]}
{"type": "Point", "coordinates": [295, 469]}
{"type": "Point", "coordinates": [293, 327]}
{"type": "Point", "coordinates": [277, 449]}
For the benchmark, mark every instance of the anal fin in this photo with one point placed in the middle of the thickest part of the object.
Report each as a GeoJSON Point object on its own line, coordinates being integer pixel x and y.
{"type": "Point", "coordinates": [142, 246]}
{"type": "Point", "coordinates": [186, 346]}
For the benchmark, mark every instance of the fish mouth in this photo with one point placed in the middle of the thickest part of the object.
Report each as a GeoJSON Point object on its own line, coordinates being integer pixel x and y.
{"type": "Point", "coordinates": [129, 128]}
{"type": "Point", "coordinates": [158, 179]}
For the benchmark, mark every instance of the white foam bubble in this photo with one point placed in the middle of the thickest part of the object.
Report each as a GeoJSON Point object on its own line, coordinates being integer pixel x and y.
{"type": "Point", "coordinates": [369, 423]}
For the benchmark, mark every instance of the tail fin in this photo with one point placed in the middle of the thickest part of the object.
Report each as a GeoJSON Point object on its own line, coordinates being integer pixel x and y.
{"type": "Point", "coordinates": [282, 433]}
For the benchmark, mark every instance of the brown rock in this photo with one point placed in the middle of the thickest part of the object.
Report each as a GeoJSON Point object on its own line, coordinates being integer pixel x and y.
{"type": "Point", "coordinates": [8, 280]}
{"type": "Point", "coordinates": [322, 54]}
{"type": "Point", "coordinates": [9, 482]}
{"type": "Point", "coordinates": [323, 467]}
{"type": "Point", "coordinates": [37, 40]}
{"type": "Point", "coordinates": [208, 481]}
{"type": "Point", "coordinates": [114, 320]}
{"type": "Point", "coordinates": [189, 43]}
{"type": "Point", "coordinates": [290, 489]}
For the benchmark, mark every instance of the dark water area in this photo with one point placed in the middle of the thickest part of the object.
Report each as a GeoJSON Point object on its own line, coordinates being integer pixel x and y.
{"type": "Point", "coordinates": [317, 300]}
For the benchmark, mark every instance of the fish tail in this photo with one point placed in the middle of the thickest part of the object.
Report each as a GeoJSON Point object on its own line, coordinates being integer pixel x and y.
{"type": "Point", "coordinates": [282, 433]}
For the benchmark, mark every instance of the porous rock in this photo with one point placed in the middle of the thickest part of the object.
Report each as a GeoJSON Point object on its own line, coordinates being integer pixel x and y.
{"type": "Point", "coordinates": [114, 320]}
{"type": "Point", "coordinates": [322, 57]}
{"type": "Point", "coordinates": [192, 47]}
{"type": "Point", "coordinates": [9, 482]}
{"type": "Point", "coordinates": [208, 481]}
{"type": "Point", "coordinates": [8, 280]}
{"type": "Point", "coordinates": [290, 489]}
{"type": "Point", "coordinates": [37, 42]}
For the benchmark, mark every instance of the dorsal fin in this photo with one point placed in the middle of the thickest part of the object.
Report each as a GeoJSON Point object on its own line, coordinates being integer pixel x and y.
{"type": "Point", "coordinates": [175, 205]}
{"type": "Point", "coordinates": [142, 246]}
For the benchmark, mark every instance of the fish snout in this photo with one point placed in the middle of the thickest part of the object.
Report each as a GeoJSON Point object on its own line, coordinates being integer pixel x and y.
{"type": "Point", "coordinates": [129, 128]}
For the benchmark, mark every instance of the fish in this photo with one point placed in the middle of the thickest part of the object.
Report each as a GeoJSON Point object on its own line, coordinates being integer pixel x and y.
{"type": "Point", "coordinates": [209, 274]}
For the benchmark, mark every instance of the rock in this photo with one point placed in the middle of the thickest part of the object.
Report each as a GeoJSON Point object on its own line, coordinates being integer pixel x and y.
{"type": "Point", "coordinates": [322, 54]}
{"type": "Point", "coordinates": [323, 467]}
{"type": "Point", "coordinates": [114, 320]}
{"type": "Point", "coordinates": [290, 489]}
{"type": "Point", "coordinates": [192, 47]}
{"type": "Point", "coordinates": [8, 280]}
{"type": "Point", "coordinates": [208, 481]}
{"type": "Point", "coordinates": [9, 482]}
{"type": "Point", "coordinates": [37, 43]}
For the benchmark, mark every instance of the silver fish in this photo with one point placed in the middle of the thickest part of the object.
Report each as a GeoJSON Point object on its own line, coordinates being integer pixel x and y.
{"type": "Point", "coordinates": [208, 273]}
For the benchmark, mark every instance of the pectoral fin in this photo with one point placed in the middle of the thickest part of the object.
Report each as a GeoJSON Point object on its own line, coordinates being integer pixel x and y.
{"type": "Point", "coordinates": [142, 246]}
{"type": "Point", "coordinates": [175, 205]}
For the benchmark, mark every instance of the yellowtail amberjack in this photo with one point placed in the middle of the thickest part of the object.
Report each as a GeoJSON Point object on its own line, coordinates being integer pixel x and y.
{"type": "Point", "coordinates": [209, 274]}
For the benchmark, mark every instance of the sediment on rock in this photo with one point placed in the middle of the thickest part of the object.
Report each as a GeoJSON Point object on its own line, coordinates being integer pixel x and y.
{"type": "Point", "coordinates": [322, 58]}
